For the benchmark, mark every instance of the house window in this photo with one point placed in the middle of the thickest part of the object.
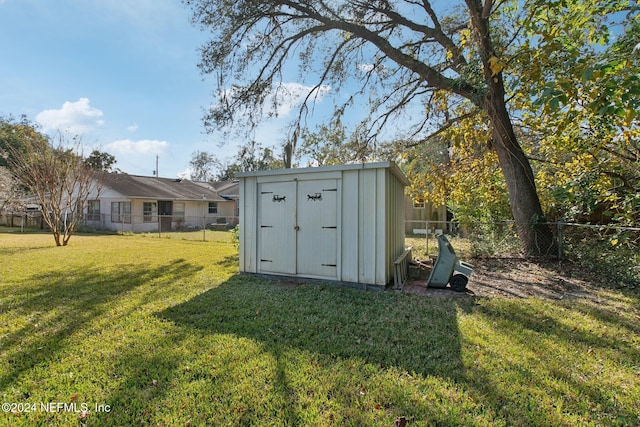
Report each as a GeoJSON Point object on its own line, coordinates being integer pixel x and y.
{"type": "Point", "coordinates": [93, 210]}
{"type": "Point", "coordinates": [213, 207]}
{"type": "Point", "coordinates": [418, 204]}
{"type": "Point", "coordinates": [121, 212]}
{"type": "Point", "coordinates": [150, 212]}
{"type": "Point", "coordinates": [178, 210]}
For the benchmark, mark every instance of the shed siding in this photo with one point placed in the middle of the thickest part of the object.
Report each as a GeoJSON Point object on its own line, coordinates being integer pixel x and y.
{"type": "Point", "coordinates": [350, 227]}
{"type": "Point", "coordinates": [395, 220]}
{"type": "Point", "coordinates": [248, 224]}
{"type": "Point", "coordinates": [336, 223]}
{"type": "Point", "coordinates": [367, 232]}
{"type": "Point", "coordinates": [383, 274]}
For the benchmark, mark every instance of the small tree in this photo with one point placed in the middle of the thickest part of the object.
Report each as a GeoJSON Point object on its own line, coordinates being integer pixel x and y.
{"type": "Point", "coordinates": [202, 165]}
{"type": "Point", "coordinates": [59, 179]}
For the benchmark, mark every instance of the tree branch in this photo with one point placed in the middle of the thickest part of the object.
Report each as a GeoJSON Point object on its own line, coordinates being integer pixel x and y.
{"type": "Point", "coordinates": [443, 128]}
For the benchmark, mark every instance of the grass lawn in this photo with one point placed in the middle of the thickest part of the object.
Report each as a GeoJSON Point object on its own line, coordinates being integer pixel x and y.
{"type": "Point", "coordinates": [140, 330]}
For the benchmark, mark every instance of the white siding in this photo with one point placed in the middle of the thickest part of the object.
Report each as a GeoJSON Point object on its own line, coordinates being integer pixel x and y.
{"type": "Point", "coordinates": [351, 225]}
{"type": "Point", "coordinates": [248, 225]}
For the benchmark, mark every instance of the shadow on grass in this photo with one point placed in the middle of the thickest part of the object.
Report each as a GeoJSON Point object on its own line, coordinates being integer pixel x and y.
{"type": "Point", "coordinates": [382, 328]}
{"type": "Point", "coordinates": [52, 311]}
{"type": "Point", "coordinates": [528, 362]}
{"type": "Point", "coordinates": [8, 251]}
{"type": "Point", "coordinates": [334, 326]}
{"type": "Point", "coordinates": [229, 261]}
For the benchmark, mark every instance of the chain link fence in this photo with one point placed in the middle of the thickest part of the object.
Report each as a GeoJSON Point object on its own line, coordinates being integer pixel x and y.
{"type": "Point", "coordinates": [183, 227]}
{"type": "Point", "coordinates": [611, 252]}
{"type": "Point", "coordinates": [167, 226]}
{"type": "Point", "coordinates": [22, 220]}
{"type": "Point", "coordinates": [470, 240]}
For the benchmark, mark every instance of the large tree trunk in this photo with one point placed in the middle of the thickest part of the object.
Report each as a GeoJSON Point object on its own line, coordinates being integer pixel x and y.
{"type": "Point", "coordinates": [534, 233]}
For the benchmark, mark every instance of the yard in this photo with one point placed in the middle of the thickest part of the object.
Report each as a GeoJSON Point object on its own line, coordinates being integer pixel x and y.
{"type": "Point", "coordinates": [140, 330]}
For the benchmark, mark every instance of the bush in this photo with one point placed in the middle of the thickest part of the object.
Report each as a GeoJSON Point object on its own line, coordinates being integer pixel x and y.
{"type": "Point", "coordinates": [235, 236]}
{"type": "Point", "coordinates": [610, 254]}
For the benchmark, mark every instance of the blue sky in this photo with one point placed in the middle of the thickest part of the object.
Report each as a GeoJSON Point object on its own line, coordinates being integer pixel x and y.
{"type": "Point", "coordinates": [122, 74]}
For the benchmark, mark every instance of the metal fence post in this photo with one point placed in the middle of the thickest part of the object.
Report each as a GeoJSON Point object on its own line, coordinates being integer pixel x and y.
{"type": "Point", "coordinates": [426, 236]}
{"type": "Point", "coordinates": [560, 226]}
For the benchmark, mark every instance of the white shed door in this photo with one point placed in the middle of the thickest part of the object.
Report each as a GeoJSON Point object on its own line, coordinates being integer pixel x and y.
{"type": "Point", "coordinates": [276, 232]}
{"type": "Point", "coordinates": [317, 234]}
{"type": "Point", "coordinates": [298, 228]}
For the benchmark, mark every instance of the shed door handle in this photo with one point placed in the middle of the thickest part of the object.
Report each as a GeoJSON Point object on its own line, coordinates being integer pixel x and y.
{"type": "Point", "coordinates": [297, 228]}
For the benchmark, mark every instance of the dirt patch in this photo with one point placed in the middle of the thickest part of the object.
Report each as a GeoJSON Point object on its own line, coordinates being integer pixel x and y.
{"type": "Point", "coordinates": [506, 277]}
{"type": "Point", "coordinates": [516, 278]}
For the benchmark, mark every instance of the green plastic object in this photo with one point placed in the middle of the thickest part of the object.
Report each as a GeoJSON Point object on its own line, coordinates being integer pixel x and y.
{"type": "Point", "coordinates": [448, 268]}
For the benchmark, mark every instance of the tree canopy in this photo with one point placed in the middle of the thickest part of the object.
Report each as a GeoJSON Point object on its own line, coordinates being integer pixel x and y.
{"type": "Point", "coordinates": [584, 114]}
{"type": "Point", "coordinates": [101, 161]}
{"type": "Point", "coordinates": [17, 136]}
{"type": "Point", "coordinates": [574, 93]}
{"type": "Point", "coordinates": [500, 81]}
{"type": "Point", "coordinates": [206, 166]}
{"type": "Point", "coordinates": [408, 53]}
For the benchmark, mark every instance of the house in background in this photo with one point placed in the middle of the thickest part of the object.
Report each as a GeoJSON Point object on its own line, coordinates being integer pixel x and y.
{"type": "Point", "coordinates": [148, 203]}
{"type": "Point", "coordinates": [229, 190]}
{"type": "Point", "coordinates": [422, 217]}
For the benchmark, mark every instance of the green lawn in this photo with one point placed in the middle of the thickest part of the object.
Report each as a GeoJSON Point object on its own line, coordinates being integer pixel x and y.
{"type": "Point", "coordinates": [142, 330]}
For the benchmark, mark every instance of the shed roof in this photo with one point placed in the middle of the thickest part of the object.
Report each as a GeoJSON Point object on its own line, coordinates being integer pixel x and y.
{"type": "Point", "coordinates": [395, 170]}
{"type": "Point", "coordinates": [151, 187]}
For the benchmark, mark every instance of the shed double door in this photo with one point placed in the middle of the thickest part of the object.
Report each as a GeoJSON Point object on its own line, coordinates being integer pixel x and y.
{"type": "Point", "coordinates": [298, 228]}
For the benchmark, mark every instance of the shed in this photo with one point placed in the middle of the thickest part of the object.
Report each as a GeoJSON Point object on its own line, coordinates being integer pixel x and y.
{"type": "Point", "coordinates": [339, 223]}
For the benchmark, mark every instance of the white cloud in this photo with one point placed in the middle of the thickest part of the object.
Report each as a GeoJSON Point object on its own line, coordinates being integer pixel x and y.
{"type": "Point", "coordinates": [186, 174]}
{"type": "Point", "coordinates": [133, 127]}
{"type": "Point", "coordinates": [76, 117]}
{"type": "Point", "coordinates": [143, 146]}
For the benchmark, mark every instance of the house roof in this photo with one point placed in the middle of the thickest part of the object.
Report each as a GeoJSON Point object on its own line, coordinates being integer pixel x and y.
{"type": "Point", "coordinates": [228, 188]}
{"type": "Point", "coordinates": [151, 187]}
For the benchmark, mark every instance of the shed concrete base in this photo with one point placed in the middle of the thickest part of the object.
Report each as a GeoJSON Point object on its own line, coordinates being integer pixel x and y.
{"type": "Point", "coordinates": [291, 280]}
